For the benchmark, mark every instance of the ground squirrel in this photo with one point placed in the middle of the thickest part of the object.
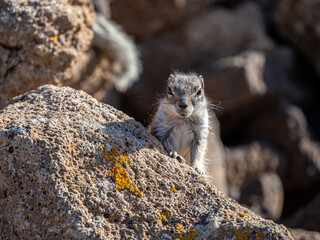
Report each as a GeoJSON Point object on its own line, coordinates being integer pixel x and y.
{"type": "Point", "coordinates": [181, 122]}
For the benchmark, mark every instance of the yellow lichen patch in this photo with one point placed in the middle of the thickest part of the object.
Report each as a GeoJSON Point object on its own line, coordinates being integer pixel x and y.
{"type": "Point", "coordinates": [54, 38]}
{"type": "Point", "coordinates": [179, 226]}
{"type": "Point", "coordinates": [118, 172]}
{"type": "Point", "coordinates": [173, 189]}
{"type": "Point", "coordinates": [71, 147]}
{"type": "Point", "coordinates": [226, 216]}
{"type": "Point", "coordinates": [111, 217]}
{"type": "Point", "coordinates": [163, 216]}
{"type": "Point", "coordinates": [242, 235]}
{"type": "Point", "coordinates": [189, 235]}
{"type": "Point", "coordinates": [242, 214]}
{"type": "Point", "coordinates": [260, 236]}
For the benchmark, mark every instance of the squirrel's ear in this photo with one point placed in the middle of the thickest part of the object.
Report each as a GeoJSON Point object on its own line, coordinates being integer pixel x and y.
{"type": "Point", "coordinates": [171, 76]}
{"type": "Point", "coordinates": [202, 81]}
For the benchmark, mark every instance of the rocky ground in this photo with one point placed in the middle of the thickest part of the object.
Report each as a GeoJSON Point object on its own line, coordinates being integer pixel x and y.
{"type": "Point", "coordinates": [260, 62]}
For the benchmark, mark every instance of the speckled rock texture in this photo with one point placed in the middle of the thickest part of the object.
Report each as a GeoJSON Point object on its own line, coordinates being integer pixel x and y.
{"type": "Point", "coordinates": [39, 41]}
{"type": "Point", "coordinates": [74, 168]}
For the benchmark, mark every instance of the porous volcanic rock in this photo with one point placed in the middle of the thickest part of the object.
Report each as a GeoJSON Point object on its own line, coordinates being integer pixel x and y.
{"type": "Point", "coordinates": [39, 41]}
{"type": "Point", "coordinates": [74, 168]}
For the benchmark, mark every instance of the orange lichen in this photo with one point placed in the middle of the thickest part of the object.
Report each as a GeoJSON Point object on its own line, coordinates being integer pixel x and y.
{"type": "Point", "coordinates": [162, 216]}
{"type": "Point", "coordinates": [260, 236]}
{"type": "Point", "coordinates": [179, 226]}
{"type": "Point", "coordinates": [54, 38]}
{"type": "Point", "coordinates": [111, 217]}
{"type": "Point", "coordinates": [118, 172]}
{"type": "Point", "coordinates": [226, 216]}
{"type": "Point", "coordinates": [173, 189]}
{"type": "Point", "coordinates": [242, 214]}
{"type": "Point", "coordinates": [71, 147]}
{"type": "Point", "coordinates": [242, 235]}
{"type": "Point", "coordinates": [189, 235]}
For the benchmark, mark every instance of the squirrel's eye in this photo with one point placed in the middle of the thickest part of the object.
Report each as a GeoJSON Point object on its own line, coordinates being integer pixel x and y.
{"type": "Point", "coordinates": [170, 91]}
{"type": "Point", "coordinates": [199, 92]}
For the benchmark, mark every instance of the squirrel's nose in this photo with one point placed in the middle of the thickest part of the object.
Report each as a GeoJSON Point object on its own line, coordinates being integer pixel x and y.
{"type": "Point", "coordinates": [183, 105]}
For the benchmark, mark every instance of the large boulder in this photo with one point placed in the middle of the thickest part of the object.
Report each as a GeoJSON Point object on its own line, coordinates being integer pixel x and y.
{"type": "Point", "coordinates": [39, 42]}
{"type": "Point", "coordinates": [74, 168]}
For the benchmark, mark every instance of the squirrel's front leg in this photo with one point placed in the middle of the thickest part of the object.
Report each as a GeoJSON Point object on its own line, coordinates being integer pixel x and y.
{"type": "Point", "coordinates": [197, 152]}
{"type": "Point", "coordinates": [167, 146]}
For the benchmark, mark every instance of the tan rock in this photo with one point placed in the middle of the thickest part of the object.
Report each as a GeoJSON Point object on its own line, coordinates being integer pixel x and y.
{"type": "Point", "coordinates": [39, 42]}
{"type": "Point", "coordinates": [64, 159]}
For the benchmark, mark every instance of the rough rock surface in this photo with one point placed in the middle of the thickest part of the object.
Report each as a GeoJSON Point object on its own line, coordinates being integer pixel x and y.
{"type": "Point", "coordinates": [74, 168]}
{"type": "Point", "coordinates": [143, 18]}
{"type": "Point", "coordinates": [298, 21]}
{"type": "Point", "coordinates": [39, 41]}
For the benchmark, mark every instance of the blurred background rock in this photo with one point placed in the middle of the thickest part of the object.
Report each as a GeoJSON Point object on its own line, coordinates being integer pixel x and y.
{"type": "Point", "coordinates": [261, 65]}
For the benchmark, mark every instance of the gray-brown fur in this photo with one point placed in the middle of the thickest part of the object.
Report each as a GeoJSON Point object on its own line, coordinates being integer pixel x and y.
{"type": "Point", "coordinates": [181, 122]}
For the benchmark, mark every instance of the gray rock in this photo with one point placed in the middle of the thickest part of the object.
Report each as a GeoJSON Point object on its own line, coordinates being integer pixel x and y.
{"type": "Point", "coordinates": [74, 168]}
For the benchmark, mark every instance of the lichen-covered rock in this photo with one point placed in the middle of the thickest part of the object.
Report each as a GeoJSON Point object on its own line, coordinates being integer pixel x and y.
{"type": "Point", "coordinates": [39, 41]}
{"type": "Point", "coordinates": [74, 168]}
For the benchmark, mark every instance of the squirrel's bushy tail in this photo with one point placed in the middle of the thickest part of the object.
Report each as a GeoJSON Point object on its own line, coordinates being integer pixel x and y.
{"type": "Point", "coordinates": [109, 37]}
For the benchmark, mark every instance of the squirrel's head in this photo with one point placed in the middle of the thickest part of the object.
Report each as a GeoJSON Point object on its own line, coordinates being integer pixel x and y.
{"type": "Point", "coordinates": [185, 93]}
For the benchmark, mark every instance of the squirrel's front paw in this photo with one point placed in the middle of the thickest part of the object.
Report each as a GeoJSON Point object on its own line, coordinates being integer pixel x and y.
{"type": "Point", "coordinates": [175, 155]}
{"type": "Point", "coordinates": [199, 171]}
